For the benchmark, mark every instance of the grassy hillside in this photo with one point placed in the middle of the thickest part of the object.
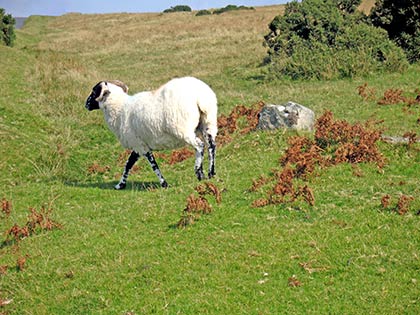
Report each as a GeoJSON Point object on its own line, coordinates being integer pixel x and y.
{"type": "Point", "coordinates": [119, 252]}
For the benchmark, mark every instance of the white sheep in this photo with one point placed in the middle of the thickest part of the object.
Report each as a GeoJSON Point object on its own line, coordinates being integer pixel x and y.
{"type": "Point", "coordinates": [181, 112]}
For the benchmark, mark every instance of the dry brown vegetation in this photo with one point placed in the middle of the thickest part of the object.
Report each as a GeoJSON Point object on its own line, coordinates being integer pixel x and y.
{"type": "Point", "coordinates": [199, 205]}
{"type": "Point", "coordinates": [402, 206]}
{"type": "Point", "coordinates": [391, 96]}
{"type": "Point", "coordinates": [336, 142]}
{"type": "Point", "coordinates": [36, 222]}
{"type": "Point", "coordinates": [6, 207]}
{"type": "Point", "coordinates": [229, 124]}
{"type": "Point", "coordinates": [95, 168]}
{"type": "Point", "coordinates": [293, 281]}
{"type": "Point", "coordinates": [146, 38]}
{"type": "Point", "coordinates": [176, 156]}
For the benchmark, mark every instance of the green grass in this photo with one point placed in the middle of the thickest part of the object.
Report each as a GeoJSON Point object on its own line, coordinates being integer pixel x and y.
{"type": "Point", "coordinates": [118, 251]}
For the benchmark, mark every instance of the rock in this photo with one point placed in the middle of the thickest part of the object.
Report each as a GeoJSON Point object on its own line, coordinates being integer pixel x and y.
{"type": "Point", "coordinates": [398, 140]}
{"type": "Point", "coordinates": [290, 115]}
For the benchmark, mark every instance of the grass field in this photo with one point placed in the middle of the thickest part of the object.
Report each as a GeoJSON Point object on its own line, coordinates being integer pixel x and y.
{"type": "Point", "coordinates": [120, 252]}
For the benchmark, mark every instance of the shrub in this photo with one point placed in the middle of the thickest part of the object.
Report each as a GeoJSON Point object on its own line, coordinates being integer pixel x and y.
{"type": "Point", "coordinates": [231, 7]}
{"type": "Point", "coordinates": [322, 39]}
{"type": "Point", "coordinates": [178, 8]}
{"type": "Point", "coordinates": [203, 12]}
{"type": "Point", "coordinates": [401, 19]}
{"type": "Point", "coordinates": [7, 28]}
{"type": "Point", "coordinates": [349, 6]}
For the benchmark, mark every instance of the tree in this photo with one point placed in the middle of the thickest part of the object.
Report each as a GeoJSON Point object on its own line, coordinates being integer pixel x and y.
{"type": "Point", "coordinates": [401, 19]}
{"type": "Point", "coordinates": [7, 28]}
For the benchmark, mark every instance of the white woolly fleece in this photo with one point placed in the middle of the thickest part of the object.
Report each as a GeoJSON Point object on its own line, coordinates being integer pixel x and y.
{"type": "Point", "coordinates": [166, 118]}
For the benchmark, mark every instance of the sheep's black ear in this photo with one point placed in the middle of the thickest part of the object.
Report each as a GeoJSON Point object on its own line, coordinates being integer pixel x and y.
{"type": "Point", "coordinates": [103, 92]}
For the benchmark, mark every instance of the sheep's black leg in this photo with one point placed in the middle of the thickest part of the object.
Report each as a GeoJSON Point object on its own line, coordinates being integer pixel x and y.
{"type": "Point", "coordinates": [134, 156]}
{"type": "Point", "coordinates": [212, 156]}
{"type": "Point", "coordinates": [199, 155]}
{"type": "Point", "coordinates": [149, 156]}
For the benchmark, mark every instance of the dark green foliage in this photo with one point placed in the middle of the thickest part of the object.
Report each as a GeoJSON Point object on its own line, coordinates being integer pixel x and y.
{"type": "Point", "coordinates": [178, 8]}
{"type": "Point", "coordinates": [203, 12]}
{"type": "Point", "coordinates": [231, 7]}
{"type": "Point", "coordinates": [348, 6]}
{"type": "Point", "coordinates": [227, 8]}
{"type": "Point", "coordinates": [7, 27]}
{"type": "Point", "coordinates": [401, 19]}
{"type": "Point", "coordinates": [320, 39]}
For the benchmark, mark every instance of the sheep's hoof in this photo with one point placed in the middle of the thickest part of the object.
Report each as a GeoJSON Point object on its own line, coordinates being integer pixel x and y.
{"type": "Point", "coordinates": [200, 175]}
{"type": "Point", "coordinates": [164, 184]}
{"type": "Point", "coordinates": [120, 186]}
{"type": "Point", "coordinates": [212, 174]}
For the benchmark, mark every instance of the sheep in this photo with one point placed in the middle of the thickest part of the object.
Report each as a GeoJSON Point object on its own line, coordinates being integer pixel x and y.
{"type": "Point", "coordinates": [181, 112]}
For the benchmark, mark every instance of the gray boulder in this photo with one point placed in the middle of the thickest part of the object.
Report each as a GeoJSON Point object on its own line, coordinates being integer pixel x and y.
{"type": "Point", "coordinates": [290, 115]}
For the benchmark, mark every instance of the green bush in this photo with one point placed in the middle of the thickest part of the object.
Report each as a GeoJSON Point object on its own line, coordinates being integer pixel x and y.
{"type": "Point", "coordinates": [401, 19]}
{"type": "Point", "coordinates": [178, 8]}
{"type": "Point", "coordinates": [348, 6]}
{"type": "Point", "coordinates": [327, 39]}
{"type": "Point", "coordinates": [232, 7]}
{"type": "Point", "coordinates": [7, 28]}
{"type": "Point", "coordinates": [203, 12]}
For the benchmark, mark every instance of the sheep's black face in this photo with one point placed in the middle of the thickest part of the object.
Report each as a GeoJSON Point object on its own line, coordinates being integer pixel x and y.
{"type": "Point", "coordinates": [91, 102]}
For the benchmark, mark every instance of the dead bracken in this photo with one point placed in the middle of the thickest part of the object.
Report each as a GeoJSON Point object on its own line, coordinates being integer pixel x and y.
{"type": "Point", "coordinates": [402, 206]}
{"type": "Point", "coordinates": [230, 124]}
{"type": "Point", "coordinates": [335, 142]}
{"type": "Point", "coordinates": [199, 205]}
{"type": "Point", "coordinates": [95, 168]}
{"type": "Point", "coordinates": [36, 221]}
{"type": "Point", "coordinates": [6, 207]}
{"type": "Point", "coordinates": [391, 96]}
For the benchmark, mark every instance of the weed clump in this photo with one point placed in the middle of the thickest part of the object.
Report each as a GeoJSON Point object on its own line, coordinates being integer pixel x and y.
{"type": "Point", "coordinates": [95, 168]}
{"type": "Point", "coordinates": [347, 143]}
{"type": "Point", "coordinates": [294, 282]}
{"type": "Point", "coordinates": [36, 221]}
{"type": "Point", "coordinates": [335, 142]}
{"type": "Point", "coordinates": [412, 137]}
{"type": "Point", "coordinates": [231, 123]}
{"type": "Point", "coordinates": [6, 207]}
{"type": "Point", "coordinates": [199, 205]}
{"type": "Point", "coordinates": [180, 155]}
{"type": "Point", "coordinates": [391, 96]}
{"type": "Point", "coordinates": [367, 93]}
{"type": "Point", "coordinates": [402, 206]}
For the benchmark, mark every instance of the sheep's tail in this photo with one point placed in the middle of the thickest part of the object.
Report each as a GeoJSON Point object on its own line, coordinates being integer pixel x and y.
{"type": "Point", "coordinates": [208, 114]}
